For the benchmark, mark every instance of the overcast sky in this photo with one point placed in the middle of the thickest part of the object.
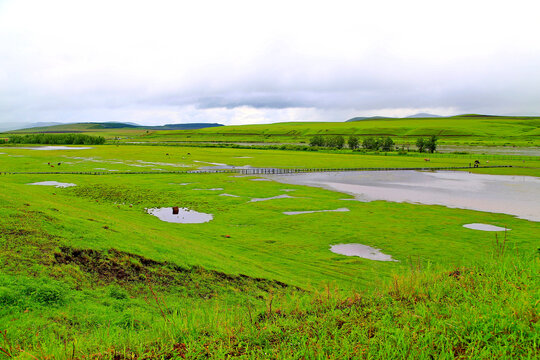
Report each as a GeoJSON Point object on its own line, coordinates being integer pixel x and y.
{"type": "Point", "coordinates": [238, 62]}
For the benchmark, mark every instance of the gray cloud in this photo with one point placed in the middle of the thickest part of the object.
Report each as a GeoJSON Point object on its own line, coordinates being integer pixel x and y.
{"type": "Point", "coordinates": [244, 67]}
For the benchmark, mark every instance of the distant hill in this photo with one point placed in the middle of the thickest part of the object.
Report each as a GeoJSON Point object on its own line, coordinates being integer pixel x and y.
{"type": "Point", "coordinates": [93, 126]}
{"type": "Point", "coordinates": [360, 118]}
{"type": "Point", "coordinates": [419, 115]}
{"type": "Point", "coordinates": [422, 115]}
{"type": "Point", "coordinates": [189, 126]}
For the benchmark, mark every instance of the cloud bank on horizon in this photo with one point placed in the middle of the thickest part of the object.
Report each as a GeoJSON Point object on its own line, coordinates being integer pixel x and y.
{"type": "Point", "coordinates": [238, 62]}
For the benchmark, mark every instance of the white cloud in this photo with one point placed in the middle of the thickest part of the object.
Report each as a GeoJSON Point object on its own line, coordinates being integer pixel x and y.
{"type": "Point", "coordinates": [247, 61]}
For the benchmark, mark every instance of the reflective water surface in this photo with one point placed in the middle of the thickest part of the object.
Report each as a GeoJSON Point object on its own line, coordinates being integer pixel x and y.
{"type": "Point", "coordinates": [184, 216]}
{"type": "Point", "coordinates": [54, 183]}
{"type": "Point", "coordinates": [513, 195]}
{"type": "Point", "coordinates": [363, 251]}
{"type": "Point", "coordinates": [485, 227]}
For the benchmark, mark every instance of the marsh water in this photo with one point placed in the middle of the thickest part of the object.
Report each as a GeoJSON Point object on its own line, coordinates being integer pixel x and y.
{"type": "Point", "coordinates": [363, 251]}
{"type": "Point", "coordinates": [54, 183]}
{"type": "Point", "coordinates": [485, 227]}
{"type": "Point", "coordinates": [184, 215]}
{"type": "Point", "coordinates": [496, 150]}
{"type": "Point", "coordinates": [513, 195]}
{"type": "Point", "coordinates": [314, 211]}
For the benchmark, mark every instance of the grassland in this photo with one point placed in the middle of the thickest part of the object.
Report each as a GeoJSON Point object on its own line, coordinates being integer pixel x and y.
{"type": "Point", "coordinates": [172, 158]}
{"type": "Point", "coordinates": [460, 130]}
{"type": "Point", "coordinates": [85, 271]}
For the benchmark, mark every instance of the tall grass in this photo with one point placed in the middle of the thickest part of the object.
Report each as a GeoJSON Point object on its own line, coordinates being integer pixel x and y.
{"type": "Point", "coordinates": [484, 310]}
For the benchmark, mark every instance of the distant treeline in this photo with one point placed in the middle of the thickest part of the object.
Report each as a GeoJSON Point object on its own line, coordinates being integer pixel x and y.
{"type": "Point", "coordinates": [353, 142]}
{"type": "Point", "coordinates": [57, 139]}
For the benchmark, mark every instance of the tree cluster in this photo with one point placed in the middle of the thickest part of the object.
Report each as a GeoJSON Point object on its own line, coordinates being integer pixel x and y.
{"type": "Point", "coordinates": [336, 141]}
{"type": "Point", "coordinates": [57, 139]}
{"type": "Point", "coordinates": [383, 144]}
{"type": "Point", "coordinates": [427, 145]}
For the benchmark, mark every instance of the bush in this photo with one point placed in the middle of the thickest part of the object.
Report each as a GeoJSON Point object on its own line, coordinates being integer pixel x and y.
{"type": "Point", "coordinates": [420, 144]}
{"type": "Point", "coordinates": [353, 142]}
{"type": "Point", "coordinates": [317, 140]}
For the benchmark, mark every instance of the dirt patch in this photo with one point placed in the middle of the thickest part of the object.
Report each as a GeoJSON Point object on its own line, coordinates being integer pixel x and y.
{"type": "Point", "coordinates": [126, 268]}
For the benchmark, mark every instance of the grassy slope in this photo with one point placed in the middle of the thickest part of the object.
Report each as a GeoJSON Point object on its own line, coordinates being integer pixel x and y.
{"type": "Point", "coordinates": [522, 131]}
{"type": "Point", "coordinates": [50, 305]}
{"type": "Point", "coordinates": [54, 308]}
{"type": "Point", "coordinates": [470, 130]}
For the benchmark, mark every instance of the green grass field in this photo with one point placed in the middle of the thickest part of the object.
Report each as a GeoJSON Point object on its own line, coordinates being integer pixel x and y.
{"type": "Point", "coordinates": [459, 130]}
{"type": "Point", "coordinates": [87, 273]}
{"type": "Point", "coordinates": [178, 158]}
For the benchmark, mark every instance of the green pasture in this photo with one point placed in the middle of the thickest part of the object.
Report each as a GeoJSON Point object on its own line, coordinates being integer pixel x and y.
{"type": "Point", "coordinates": [112, 158]}
{"type": "Point", "coordinates": [453, 130]}
{"type": "Point", "coordinates": [86, 272]}
{"type": "Point", "coordinates": [458, 130]}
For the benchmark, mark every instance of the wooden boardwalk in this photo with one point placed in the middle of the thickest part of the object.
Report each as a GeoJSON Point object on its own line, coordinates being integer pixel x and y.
{"type": "Point", "coordinates": [245, 171]}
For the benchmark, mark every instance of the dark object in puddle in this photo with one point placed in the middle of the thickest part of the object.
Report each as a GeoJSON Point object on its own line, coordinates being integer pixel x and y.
{"type": "Point", "coordinates": [175, 210]}
{"type": "Point", "coordinates": [455, 274]}
{"type": "Point", "coordinates": [184, 216]}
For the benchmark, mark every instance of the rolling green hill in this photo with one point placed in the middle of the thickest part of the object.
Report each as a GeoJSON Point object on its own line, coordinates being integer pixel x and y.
{"type": "Point", "coordinates": [468, 129]}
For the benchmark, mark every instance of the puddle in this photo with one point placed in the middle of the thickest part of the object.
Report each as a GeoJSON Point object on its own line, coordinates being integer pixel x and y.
{"type": "Point", "coordinates": [183, 184]}
{"type": "Point", "coordinates": [184, 216]}
{"type": "Point", "coordinates": [53, 183]}
{"type": "Point", "coordinates": [513, 195]}
{"type": "Point", "coordinates": [272, 198]}
{"type": "Point", "coordinates": [314, 211]}
{"type": "Point", "coordinates": [500, 150]}
{"type": "Point", "coordinates": [133, 163]}
{"type": "Point", "coordinates": [363, 251]}
{"type": "Point", "coordinates": [243, 157]}
{"type": "Point", "coordinates": [288, 190]}
{"type": "Point", "coordinates": [231, 195]}
{"type": "Point", "coordinates": [484, 227]}
{"type": "Point", "coordinates": [210, 163]}
{"type": "Point", "coordinates": [213, 189]}
{"type": "Point", "coordinates": [53, 148]}
{"type": "Point", "coordinates": [260, 179]}
{"type": "Point", "coordinates": [225, 167]}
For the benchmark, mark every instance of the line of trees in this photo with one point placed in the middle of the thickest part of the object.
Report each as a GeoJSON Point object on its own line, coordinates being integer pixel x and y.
{"type": "Point", "coordinates": [336, 141]}
{"type": "Point", "coordinates": [370, 143]}
{"type": "Point", "coordinates": [353, 142]}
{"type": "Point", "coordinates": [383, 144]}
{"type": "Point", "coordinates": [427, 145]}
{"type": "Point", "coordinates": [57, 139]}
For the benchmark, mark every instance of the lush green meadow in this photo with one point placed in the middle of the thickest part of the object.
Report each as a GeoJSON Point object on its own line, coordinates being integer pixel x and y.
{"type": "Point", "coordinates": [459, 130]}
{"type": "Point", "coordinates": [453, 130]}
{"type": "Point", "coordinates": [87, 273]}
{"type": "Point", "coordinates": [112, 158]}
